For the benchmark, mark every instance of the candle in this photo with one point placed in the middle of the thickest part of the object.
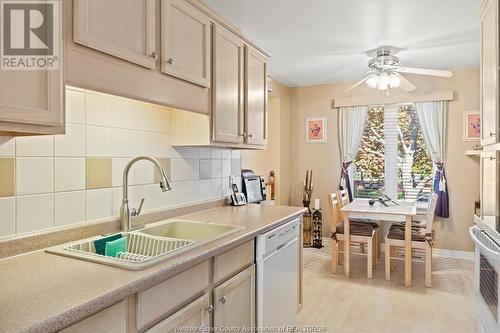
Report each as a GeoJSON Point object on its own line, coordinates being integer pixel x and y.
{"type": "Point", "coordinates": [316, 204]}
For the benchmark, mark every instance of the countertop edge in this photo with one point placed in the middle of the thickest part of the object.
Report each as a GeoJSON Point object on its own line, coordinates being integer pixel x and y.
{"type": "Point", "coordinates": [80, 312]}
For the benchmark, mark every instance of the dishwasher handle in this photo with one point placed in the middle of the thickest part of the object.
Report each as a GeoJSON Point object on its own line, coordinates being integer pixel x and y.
{"type": "Point", "coordinates": [280, 248]}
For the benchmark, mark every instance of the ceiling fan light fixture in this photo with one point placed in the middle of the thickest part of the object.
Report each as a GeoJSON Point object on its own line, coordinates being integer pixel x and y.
{"type": "Point", "coordinates": [372, 81]}
{"type": "Point", "coordinates": [394, 81]}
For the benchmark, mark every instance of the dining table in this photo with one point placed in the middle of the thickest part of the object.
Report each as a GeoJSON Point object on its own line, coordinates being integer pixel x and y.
{"type": "Point", "coordinates": [396, 211]}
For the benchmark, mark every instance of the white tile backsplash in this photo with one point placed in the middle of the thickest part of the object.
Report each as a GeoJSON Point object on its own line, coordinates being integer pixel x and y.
{"type": "Point", "coordinates": [69, 174]}
{"type": "Point", "coordinates": [8, 213]}
{"type": "Point", "coordinates": [117, 168]}
{"type": "Point", "coordinates": [71, 144]}
{"type": "Point", "coordinates": [98, 109]}
{"type": "Point", "coordinates": [34, 212]}
{"type": "Point", "coordinates": [216, 168]}
{"type": "Point", "coordinates": [98, 141]}
{"type": "Point", "coordinates": [122, 142]}
{"type": "Point", "coordinates": [69, 207]}
{"type": "Point", "coordinates": [42, 146]}
{"type": "Point", "coordinates": [143, 172]}
{"type": "Point", "coordinates": [144, 116]}
{"type": "Point", "coordinates": [50, 173]}
{"type": "Point", "coordinates": [75, 106]}
{"type": "Point", "coordinates": [145, 192]}
{"type": "Point", "coordinates": [122, 113]}
{"type": "Point", "coordinates": [98, 204]}
{"type": "Point", "coordinates": [34, 175]}
{"type": "Point", "coordinates": [226, 167]}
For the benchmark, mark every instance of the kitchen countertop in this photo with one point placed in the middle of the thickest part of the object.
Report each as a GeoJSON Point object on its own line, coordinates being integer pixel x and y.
{"type": "Point", "coordinates": [41, 292]}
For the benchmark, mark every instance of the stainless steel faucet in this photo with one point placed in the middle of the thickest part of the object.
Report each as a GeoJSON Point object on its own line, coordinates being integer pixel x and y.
{"type": "Point", "coordinates": [126, 212]}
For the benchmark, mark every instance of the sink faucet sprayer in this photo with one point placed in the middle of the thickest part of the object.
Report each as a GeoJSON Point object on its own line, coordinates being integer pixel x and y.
{"type": "Point", "coordinates": [126, 212]}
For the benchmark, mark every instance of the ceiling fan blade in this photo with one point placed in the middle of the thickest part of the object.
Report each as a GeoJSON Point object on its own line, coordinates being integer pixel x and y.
{"type": "Point", "coordinates": [423, 71]}
{"type": "Point", "coordinates": [356, 84]}
{"type": "Point", "coordinates": [405, 85]}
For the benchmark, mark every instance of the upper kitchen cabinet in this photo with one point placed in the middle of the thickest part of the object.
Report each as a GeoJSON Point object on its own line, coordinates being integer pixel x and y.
{"type": "Point", "coordinates": [489, 72]}
{"type": "Point", "coordinates": [185, 42]}
{"type": "Point", "coordinates": [255, 97]}
{"type": "Point", "coordinates": [128, 33]}
{"type": "Point", "coordinates": [32, 100]}
{"type": "Point", "coordinates": [227, 86]}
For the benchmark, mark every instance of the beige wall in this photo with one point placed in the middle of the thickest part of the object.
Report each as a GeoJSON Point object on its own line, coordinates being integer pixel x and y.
{"type": "Point", "coordinates": [277, 155]}
{"type": "Point", "coordinates": [262, 162]}
{"type": "Point", "coordinates": [323, 159]}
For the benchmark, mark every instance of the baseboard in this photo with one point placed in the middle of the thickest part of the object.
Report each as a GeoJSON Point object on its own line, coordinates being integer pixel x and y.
{"type": "Point", "coordinates": [466, 255]}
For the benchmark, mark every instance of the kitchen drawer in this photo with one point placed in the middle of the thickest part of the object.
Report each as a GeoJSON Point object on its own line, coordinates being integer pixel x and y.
{"type": "Point", "coordinates": [233, 261]}
{"type": "Point", "coordinates": [112, 319]}
{"type": "Point", "coordinates": [167, 296]}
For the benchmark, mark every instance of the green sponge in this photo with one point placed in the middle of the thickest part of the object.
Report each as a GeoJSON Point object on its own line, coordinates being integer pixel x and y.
{"type": "Point", "coordinates": [100, 244]}
{"type": "Point", "coordinates": [115, 246]}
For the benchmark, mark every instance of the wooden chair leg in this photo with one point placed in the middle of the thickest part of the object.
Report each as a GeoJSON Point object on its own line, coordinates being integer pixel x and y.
{"type": "Point", "coordinates": [376, 253]}
{"type": "Point", "coordinates": [387, 261]}
{"type": "Point", "coordinates": [393, 261]}
{"type": "Point", "coordinates": [340, 259]}
{"type": "Point", "coordinates": [374, 250]}
{"type": "Point", "coordinates": [428, 265]}
{"type": "Point", "coordinates": [334, 256]}
{"type": "Point", "coordinates": [369, 256]}
{"type": "Point", "coordinates": [379, 242]}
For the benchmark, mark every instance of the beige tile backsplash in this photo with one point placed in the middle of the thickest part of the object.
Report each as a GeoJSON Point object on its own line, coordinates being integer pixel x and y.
{"type": "Point", "coordinates": [52, 181]}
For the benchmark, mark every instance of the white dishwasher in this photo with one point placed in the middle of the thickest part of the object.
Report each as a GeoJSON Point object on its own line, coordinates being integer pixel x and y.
{"type": "Point", "coordinates": [277, 274]}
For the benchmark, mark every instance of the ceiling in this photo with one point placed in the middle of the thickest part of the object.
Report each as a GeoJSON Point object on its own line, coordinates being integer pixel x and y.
{"type": "Point", "coordinates": [322, 41]}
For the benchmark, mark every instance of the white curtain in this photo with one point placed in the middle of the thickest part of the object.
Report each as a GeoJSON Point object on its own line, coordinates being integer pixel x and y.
{"type": "Point", "coordinates": [432, 118]}
{"type": "Point", "coordinates": [351, 126]}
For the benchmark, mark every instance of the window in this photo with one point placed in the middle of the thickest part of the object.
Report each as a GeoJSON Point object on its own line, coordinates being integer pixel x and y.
{"type": "Point", "coordinates": [393, 157]}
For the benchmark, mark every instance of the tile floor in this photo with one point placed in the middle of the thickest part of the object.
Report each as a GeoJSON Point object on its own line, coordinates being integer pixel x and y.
{"type": "Point", "coordinates": [359, 305]}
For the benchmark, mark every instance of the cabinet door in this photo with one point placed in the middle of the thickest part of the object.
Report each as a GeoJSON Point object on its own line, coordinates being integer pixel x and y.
{"type": "Point", "coordinates": [112, 319]}
{"type": "Point", "coordinates": [32, 101]}
{"type": "Point", "coordinates": [235, 301]}
{"type": "Point", "coordinates": [185, 42]}
{"type": "Point", "coordinates": [122, 28]}
{"type": "Point", "coordinates": [255, 97]}
{"type": "Point", "coordinates": [194, 316]}
{"type": "Point", "coordinates": [490, 183]}
{"type": "Point", "coordinates": [489, 74]}
{"type": "Point", "coordinates": [227, 86]}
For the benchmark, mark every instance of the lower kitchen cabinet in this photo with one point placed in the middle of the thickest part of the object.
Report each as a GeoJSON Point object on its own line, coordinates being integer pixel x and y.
{"type": "Point", "coordinates": [234, 301]}
{"type": "Point", "coordinates": [194, 317]}
{"type": "Point", "coordinates": [112, 319]}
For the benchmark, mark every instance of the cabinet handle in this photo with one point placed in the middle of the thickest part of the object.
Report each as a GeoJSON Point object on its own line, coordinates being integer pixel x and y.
{"type": "Point", "coordinates": [492, 158]}
{"type": "Point", "coordinates": [170, 61]}
{"type": "Point", "coordinates": [243, 134]}
{"type": "Point", "coordinates": [223, 299]}
{"type": "Point", "coordinates": [249, 135]}
{"type": "Point", "coordinates": [210, 308]}
{"type": "Point", "coordinates": [154, 55]}
{"type": "Point", "coordinates": [492, 134]}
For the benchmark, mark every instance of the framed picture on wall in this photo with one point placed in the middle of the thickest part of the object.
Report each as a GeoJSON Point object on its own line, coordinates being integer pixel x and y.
{"type": "Point", "coordinates": [316, 129]}
{"type": "Point", "coordinates": [472, 126]}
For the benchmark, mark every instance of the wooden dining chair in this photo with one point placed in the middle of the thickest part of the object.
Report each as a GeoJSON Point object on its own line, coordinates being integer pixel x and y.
{"type": "Point", "coordinates": [360, 233]}
{"type": "Point", "coordinates": [422, 239]}
{"type": "Point", "coordinates": [374, 223]}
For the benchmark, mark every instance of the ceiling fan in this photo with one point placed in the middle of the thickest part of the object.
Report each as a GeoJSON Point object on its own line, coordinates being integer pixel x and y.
{"type": "Point", "coordinates": [385, 73]}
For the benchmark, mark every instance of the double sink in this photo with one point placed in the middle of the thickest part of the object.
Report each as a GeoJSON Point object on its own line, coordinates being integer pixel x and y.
{"type": "Point", "coordinates": [151, 244]}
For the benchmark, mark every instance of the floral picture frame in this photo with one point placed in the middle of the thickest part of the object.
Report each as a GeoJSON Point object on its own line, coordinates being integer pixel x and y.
{"type": "Point", "coordinates": [472, 126]}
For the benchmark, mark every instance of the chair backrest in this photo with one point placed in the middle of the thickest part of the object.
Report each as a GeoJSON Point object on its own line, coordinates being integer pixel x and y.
{"type": "Point", "coordinates": [430, 212]}
{"type": "Point", "coordinates": [333, 202]}
{"type": "Point", "coordinates": [343, 197]}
